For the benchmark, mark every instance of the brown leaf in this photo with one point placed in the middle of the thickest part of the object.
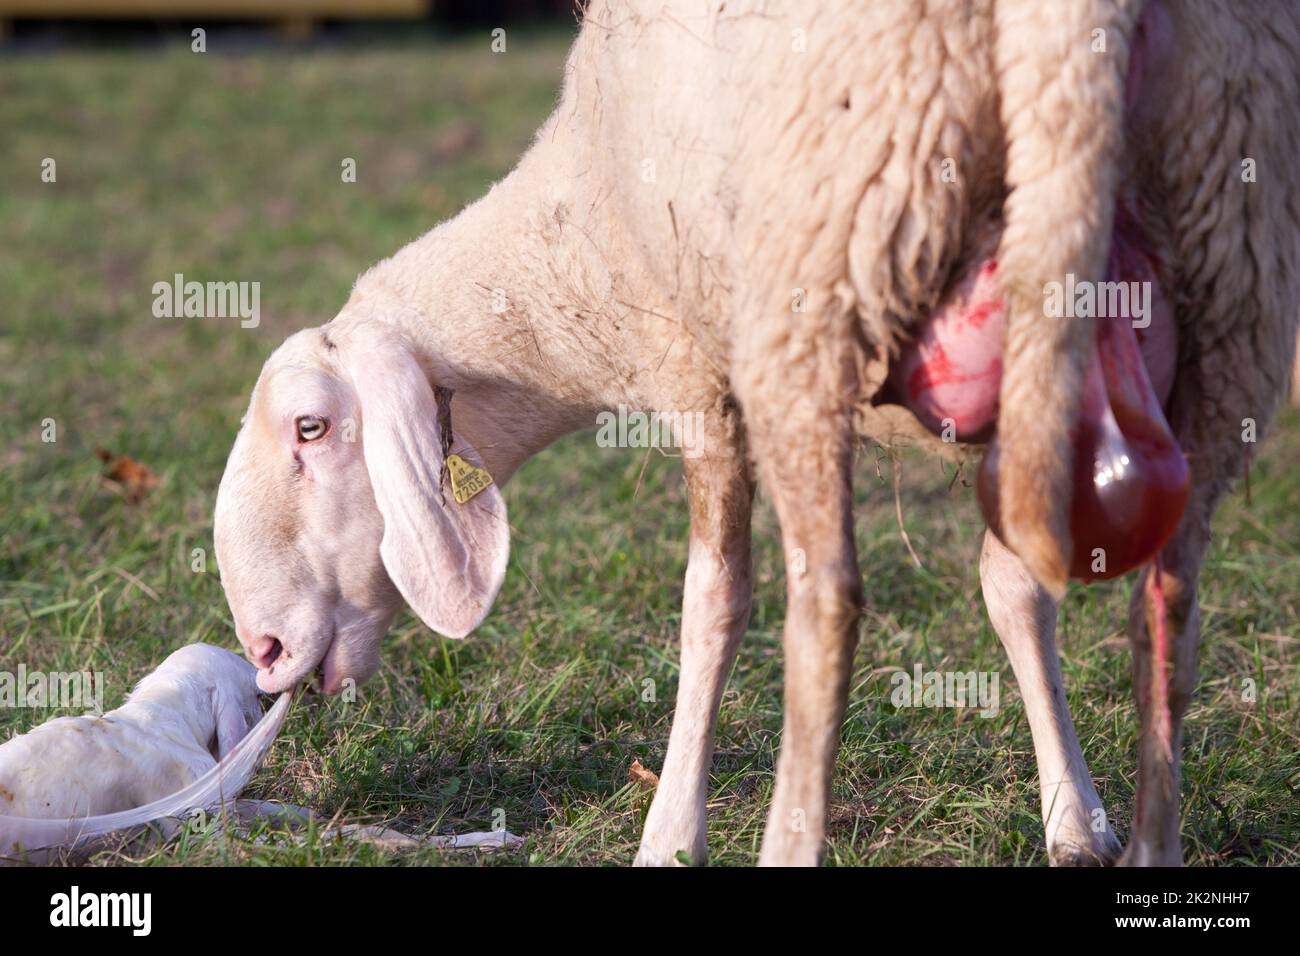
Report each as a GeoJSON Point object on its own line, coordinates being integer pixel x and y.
{"type": "Point", "coordinates": [646, 779]}
{"type": "Point", "coordinates": [126, 475]}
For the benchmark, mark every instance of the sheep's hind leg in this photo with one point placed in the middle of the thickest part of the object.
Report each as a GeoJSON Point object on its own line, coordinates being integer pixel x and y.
{"type": "Point", "coordinates": [1156, 840]}
{"type": "Point", "coordinates": [1024, 616]}
{"type": "Point", "coordinates": [715, 610]}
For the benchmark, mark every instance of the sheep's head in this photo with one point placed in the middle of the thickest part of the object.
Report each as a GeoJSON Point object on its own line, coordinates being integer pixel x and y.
{"type": "Point", "coordinates": [335, 506]}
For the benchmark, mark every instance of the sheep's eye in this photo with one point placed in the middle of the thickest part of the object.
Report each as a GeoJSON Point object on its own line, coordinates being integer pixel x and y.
{"type": "Point", "coordinates": [310, 428]}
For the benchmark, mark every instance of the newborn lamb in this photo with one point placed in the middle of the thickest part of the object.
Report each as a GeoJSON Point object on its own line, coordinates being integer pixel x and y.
{"type": "Point", "coordinates": [177, 723]}
{"type": "Point", "coordinates": [73, 780]}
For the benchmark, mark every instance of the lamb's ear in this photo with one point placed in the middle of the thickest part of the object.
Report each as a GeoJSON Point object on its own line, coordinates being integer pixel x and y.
{"type": "Point", "coordinates": [232, 718]}
{"type": "Point", "coordinates": [447, 559]}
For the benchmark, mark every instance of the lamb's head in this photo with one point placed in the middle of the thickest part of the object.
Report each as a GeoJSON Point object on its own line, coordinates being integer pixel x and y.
{"type": "Point", "coordinates": [213, 690]}
{"type": "Point", "coordinates": [335, 505]}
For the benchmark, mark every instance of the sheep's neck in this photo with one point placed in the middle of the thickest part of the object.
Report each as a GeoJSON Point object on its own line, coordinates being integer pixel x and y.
{"type": "Point", "coordinates": [494, 300]}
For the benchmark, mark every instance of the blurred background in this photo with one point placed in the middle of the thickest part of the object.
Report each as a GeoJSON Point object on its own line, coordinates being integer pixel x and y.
{"type": "Point", "coordinates": [295, 19]}
{"type": "Point", "coordinates": [129, 157]}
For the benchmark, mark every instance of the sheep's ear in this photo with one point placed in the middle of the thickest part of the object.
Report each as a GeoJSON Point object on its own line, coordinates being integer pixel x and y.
{"type": "Point", "coordinates": [448, 559]}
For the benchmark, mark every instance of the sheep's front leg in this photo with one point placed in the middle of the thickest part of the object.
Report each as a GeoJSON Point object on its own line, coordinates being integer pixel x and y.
{"type": "Point", "coordinates": [1024, 616]}
{"type": "Point", "coordinates": [804, 455]}
{"type": "Point", "coordinates": [715, 610]}
{"type": "Point", "coordinates": [813, 495]}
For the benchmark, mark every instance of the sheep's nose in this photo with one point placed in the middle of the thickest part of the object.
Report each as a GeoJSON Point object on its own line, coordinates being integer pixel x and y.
{"type": "Point", "coordinates": [264, 651]}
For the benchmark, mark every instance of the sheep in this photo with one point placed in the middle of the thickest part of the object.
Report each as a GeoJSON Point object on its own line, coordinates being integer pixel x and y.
{"type": "Point", "coordinates": [72, 778]}
{"type": "Point", "coordinates": [749, 212]}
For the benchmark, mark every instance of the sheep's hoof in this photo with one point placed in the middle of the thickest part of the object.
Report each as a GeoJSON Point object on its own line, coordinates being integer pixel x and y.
{"type": "Point", "coordinates": [646, 857]}
{"type": "Point", "coordinates": [1138, 853]}
{"type": "Point", "coordinates": [1104, 853]}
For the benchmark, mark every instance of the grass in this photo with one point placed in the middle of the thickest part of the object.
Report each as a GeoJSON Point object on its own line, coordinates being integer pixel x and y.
{"type": "Point", "coordinates": [227, 166]}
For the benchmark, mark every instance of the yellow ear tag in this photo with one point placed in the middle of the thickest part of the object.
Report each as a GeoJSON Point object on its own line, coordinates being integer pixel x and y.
{"type": "Point", "coordinates": [466, 479]}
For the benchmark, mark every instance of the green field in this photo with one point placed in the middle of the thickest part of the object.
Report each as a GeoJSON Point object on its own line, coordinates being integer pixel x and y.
{"type": "Point", "coordinates": [226, 166]}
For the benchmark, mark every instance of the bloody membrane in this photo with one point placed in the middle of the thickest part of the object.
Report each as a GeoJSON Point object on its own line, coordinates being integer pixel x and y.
{"type": "Point", "coordinates": [1130, 478]}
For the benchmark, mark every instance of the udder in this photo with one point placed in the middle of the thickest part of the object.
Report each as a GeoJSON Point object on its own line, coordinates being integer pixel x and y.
{"type": "Point", "coordinates": [950, 373]}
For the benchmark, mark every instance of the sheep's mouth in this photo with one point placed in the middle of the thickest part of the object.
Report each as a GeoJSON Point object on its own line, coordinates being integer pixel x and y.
{"type": "Point", "coordinates": [333, 672]}
{"type": "Point", "coordinates": [273, 655]}
{"type": "Point", "coordinates": [315, 684]}
{"type": "Point", "coordinates": [282, 669]}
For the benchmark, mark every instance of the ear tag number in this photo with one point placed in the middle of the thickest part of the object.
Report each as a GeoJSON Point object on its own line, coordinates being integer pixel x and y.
{"type": "Point", "coordinates": [466, 479]}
